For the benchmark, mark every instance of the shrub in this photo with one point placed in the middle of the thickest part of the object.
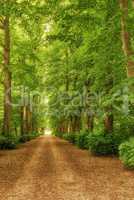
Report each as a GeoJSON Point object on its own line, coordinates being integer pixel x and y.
{"type": "Point", "coordinates": [8, 142]}
{"type": "Point", "coordinates": [70, 137]}
{"type": "Point", "coordinates": [81, 140]}
{"type": "Point", "coordinates": [101, 144]}
{"type": "Point", "coordinates": [125, 125]}
{"type": "Point", "coordinates": [119, 138]}
{"type": "Point", "coordinates": [36, 134]}
{"type": "Point", "coordinates": [26, 138]}
{"type": "Point", "coordinates": [58, 134]}
{"type": "Point", "coordinates": [106, 144]}
{"type": "Point", "coordinates": [126, 153]}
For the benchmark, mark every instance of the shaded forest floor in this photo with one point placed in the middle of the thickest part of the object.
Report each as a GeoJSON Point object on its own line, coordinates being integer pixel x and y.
{"type": "Point", "coordinates": [49, 168]}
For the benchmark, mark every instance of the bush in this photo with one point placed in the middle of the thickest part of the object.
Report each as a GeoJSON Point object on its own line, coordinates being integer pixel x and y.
{"type": "Point", "coordinates": [58, 134]}
{"type": "Point", "coordinates": [11, 142]}
{"type": "Point", "coordinates": [27, 137]}
{"type": "Point", "coordinates": [70, 137]}
{"type": "Point", "coordinates": [106, 144]}
{"type": "Point", "coordinates": [24, 138]}
{"type": "Point", "coordinates": [101, 144]}
{"type": "Point", "coordinates": [126, 153]}
{"type": "Point", "coordinates": [81, 140]}
{"type": "Point", "coordinates": [125, 125]}
{"type": "Point", "coordinates": [8, 142]}
{"type": "Point", "coordinates": [119, 138]}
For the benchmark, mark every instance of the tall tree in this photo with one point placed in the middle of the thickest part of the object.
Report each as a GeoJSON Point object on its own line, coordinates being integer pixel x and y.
{"type": "Point", "coordinates": [126, 37]}
{"type": "Point", "coordinates": [5, 25]}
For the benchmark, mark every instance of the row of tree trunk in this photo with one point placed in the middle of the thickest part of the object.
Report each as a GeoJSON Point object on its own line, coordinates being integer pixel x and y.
{"type": "Point", "coordinates": [75, 124]}
{"type": "Point", "coordinates": [26, 112]}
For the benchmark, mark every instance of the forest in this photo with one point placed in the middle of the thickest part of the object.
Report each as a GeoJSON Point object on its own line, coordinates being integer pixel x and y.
{"type": "Point", "coordinates": [68, 66]}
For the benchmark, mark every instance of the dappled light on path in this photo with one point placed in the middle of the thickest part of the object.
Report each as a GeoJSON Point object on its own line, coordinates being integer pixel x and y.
{"type": "Point", "coordinates": [49, 168]}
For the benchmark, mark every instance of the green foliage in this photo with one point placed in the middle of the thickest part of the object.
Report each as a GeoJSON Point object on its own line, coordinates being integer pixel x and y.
{"type": "Point", "coordinates": [11, 141]}
{"type": "Point", "coordinates": [69, 137]}
{"type": "Point", "coordinates": [125, 125]}
{"type": "Point", "coordinates": [58, 134]}
{"type": "Point", "coordinates": [101, 144]}
{"type": "Point", "coordinates": [85, 61]}
{"type": "Point", "coordinates": [8, 142]}
{"type": "Point", "coordinates": [26, 24]}
{"type": "Point", "coordinates": [70, 55]}
{"type": "Point", "coordinates": [106, 144]}
{"type": "Point", "coordinates": [81, 140]}
{"type": "Point", "coordinates": [126, 152]}
{"type": "Point", "coordinates": [119, 138]}
{"type": "Point", "coordinates": [27, 137]}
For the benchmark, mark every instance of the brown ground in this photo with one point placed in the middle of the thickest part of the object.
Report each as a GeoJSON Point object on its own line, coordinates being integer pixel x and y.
{"type": "Point", "coordinates": [51, 169]}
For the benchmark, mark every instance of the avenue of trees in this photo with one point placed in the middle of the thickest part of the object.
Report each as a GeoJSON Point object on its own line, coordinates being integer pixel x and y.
{"type": "Point", "coordinates": [80, 54]}
{"type": "Point", "coordinates": [90, 66]}
{"type": "Point", "coordinates": [21, 31]}
{"type": "Point", "coordinates": [90, 75]}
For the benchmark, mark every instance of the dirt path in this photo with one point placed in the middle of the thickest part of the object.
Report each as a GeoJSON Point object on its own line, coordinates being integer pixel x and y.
{"type": "Point", "coordinates": [51, 169]}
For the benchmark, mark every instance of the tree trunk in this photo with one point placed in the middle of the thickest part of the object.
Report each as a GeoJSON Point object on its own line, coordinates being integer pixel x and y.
{"type": "Point", "coordinates": [108, 123]}
{"type": "Point", "coordinates": [26, 117]}
{"type": "Point", "coordinates": [7, 78]}
{"type": "Point", "coordinates": [126, 41]}
{"type": "Point", "coordinates": [76, 124]}
{"type": "Point", "coordinates": [23, 120]}
{"type": "Point", "coordinates": [15, 130]}
{"type": "Point", "coordinates": [29, 119]}
{"type": "Point", "coordinates": [90, 123]}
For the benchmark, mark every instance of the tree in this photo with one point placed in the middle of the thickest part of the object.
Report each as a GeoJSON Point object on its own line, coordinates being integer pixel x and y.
{"type": "Point", "coordinates": [5, 26]}
{"type": "Point", "coordinates": [126, 38]}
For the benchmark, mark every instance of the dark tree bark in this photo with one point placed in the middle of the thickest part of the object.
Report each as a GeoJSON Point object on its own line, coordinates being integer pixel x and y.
{"type": "Point", "coordinates": [23, 120]}
{"type": "Point", "coordinates": [109, 116]}
{"type": "Point", "coordinates": [90, 123]}
{"type": "Point", "coordinates": [108, 121]}
{"type": "Point", "coordinates": [29, 119]}
{"type": "Point", "coordinates": [76, 123]}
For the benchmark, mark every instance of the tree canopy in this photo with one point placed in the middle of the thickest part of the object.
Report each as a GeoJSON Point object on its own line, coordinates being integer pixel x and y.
{"type": "Point", "coordinates": [67, 63]}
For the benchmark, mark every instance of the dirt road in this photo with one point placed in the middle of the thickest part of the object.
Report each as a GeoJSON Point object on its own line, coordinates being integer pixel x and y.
{"type": "Point", "coordinates": [49, 168]}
